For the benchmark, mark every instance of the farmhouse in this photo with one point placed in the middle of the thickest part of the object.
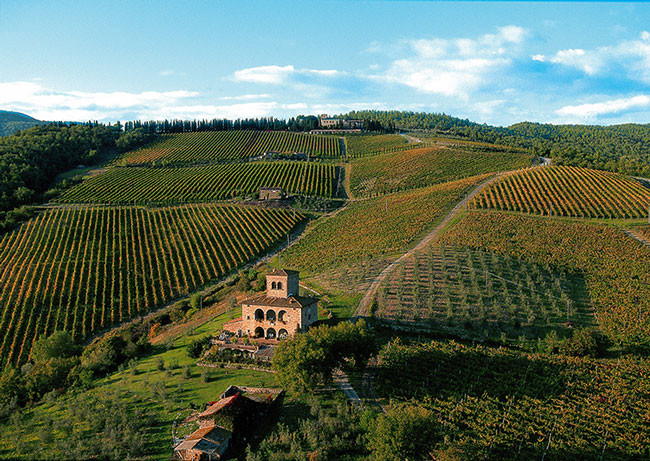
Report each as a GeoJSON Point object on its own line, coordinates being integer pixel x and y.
{"type": "Point", "coordinates": [277, 314]}
{"type": "Point", "coordinates": [271, 193]}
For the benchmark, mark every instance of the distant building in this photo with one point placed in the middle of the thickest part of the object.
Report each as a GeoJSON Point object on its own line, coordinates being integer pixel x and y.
{"type": "Point", "coordinates": [277, 314]}
{"type": "Point", "coordinates": [271, 193]}
{"type": "Point", "coordinates": [328, 123]}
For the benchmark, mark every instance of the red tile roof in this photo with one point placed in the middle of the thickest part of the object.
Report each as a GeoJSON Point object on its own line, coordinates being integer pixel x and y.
{"type": "Point", "coordinates": [293, 302]}
{"type": "Point", "coordinates": [221, 404]}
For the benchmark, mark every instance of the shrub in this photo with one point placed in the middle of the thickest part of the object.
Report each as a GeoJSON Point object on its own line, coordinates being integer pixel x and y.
{"type": "Point", "coordinates": [198, 346]}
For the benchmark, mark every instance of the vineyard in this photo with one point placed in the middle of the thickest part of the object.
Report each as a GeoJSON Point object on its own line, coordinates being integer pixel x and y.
{"type": "Point", "coordinates": [393, 172]}
{"type": "Point", "coordinates": [84, 269]}
{"type": "Point", "coordinates": [499, 404]}
{"type": "Point", "coordinates": [204, 183]}
{"type": "Point", "coordinates": [477, 294]}
{"type": "Point", "coordinates": [614, 265]}
{"type": "Point", "coordinates": [567, 191]}
{"type": "Point", "coordinates": [209, 146]}
{"type": "Point", "coordinates": [362, 145]}
{"type": "Point", "coordinates": [360, 238]}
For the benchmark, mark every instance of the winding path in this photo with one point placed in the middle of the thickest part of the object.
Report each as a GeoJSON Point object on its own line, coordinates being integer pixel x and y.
{"type": "Point", "coordinates": [364, 305]}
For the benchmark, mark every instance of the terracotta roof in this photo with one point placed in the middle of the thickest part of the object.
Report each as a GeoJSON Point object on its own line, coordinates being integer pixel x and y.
{"type": "Point", "coordinates": [214, 433]}
{"type": "Point", "coordinates": [221, 404]}
{"type": "Point", "coordinates": [282, 272]}
{"type": "Point", "coordinates": [206, 439]}
{"type": "Point", "coordinates": [294, 302]}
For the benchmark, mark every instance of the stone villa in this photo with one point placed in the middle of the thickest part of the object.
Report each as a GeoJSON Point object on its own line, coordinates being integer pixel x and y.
{"type": "Point", "coordinates": [277, 314]}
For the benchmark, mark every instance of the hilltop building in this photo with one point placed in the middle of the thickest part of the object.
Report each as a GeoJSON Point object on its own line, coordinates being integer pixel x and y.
{"type": "Point", "coordinates": [329, 123]}
{"type": "Point", "coordinates": [277, 314]}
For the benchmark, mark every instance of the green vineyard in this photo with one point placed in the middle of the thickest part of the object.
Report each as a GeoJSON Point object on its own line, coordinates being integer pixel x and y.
{"type": "Point", "coordinates": [567, 191]}
{"type": "Point", "coordinates": [479, 294]}
{"type": "Point", "coordinates": [210, 146]}
{"type": "Point", "coordinates": [499, 404]}
{"type": "Point", "coordinates": [85, 269]}
{"type": "Point", "coordinates": [204, 183]}
{"type": "Point", "coordinates": [392, 172]}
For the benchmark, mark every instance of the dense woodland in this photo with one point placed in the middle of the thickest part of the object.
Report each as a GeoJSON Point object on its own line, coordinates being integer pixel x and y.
{"type": "Point", "coordinates": [621, 148]}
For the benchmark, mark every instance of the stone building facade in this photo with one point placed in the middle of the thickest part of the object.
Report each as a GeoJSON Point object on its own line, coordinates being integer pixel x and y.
{"type": "Point", "coordinates": [278, 313]}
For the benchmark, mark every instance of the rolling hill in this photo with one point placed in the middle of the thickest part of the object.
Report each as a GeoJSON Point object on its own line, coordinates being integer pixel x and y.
{"type": "Point", "coordinates": [10, 122]}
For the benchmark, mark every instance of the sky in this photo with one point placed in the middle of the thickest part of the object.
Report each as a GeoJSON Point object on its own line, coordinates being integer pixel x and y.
{"type": "Point", "coordinates": [491, 62]}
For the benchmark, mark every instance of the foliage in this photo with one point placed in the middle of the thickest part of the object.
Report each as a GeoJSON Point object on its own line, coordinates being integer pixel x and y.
{"type": "Point", "coordinates": [614, 264]}
{"type": "Point", "coordinates": [308, 360]}
{"type": "Point", "coordinates": [424, 167]}
{"type": "Point", "coordinates": [584, 342]}
{"type": "Point", "coordinates": [106, 353]}
{"type": "Point", "coordinates": [567, 191]}
{"type": "Point", "coordinates": [404, 432]}
{"type": "Point", "coordinates": [124, 185]}
{"type": "Point", "coordinates": [498, 404]}
{"type": "Point", "coordinates": [204, 147]}
{"type": "Point", "coordinates": [329, 434]}
{"type": "Point", "coordinates": [58, 345]}
{"type": "Point", "coordinates": [83, 269]}
{"type": "Point", "coordinates": [198, 346]}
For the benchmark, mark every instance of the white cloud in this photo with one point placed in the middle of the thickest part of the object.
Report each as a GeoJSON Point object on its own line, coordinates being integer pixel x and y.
{"type": "Point", "coordinates": [48, 104]}
{"type": "Point", "coordinates": [454, 67]}
{"type": "Point", "coordinates": [585, 111]}
{"type": "Point", "coordinates": [278, 75]}
{"type": "Point", "coordinates": [245, 97]}
{"type": "Point", "coordinates": [630, 58]}
{"type": "Point", "coordinates": [538, 57]}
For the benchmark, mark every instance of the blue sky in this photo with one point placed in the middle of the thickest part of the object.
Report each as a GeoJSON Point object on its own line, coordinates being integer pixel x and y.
{"type": "Point", "coordinates": [493, 62]}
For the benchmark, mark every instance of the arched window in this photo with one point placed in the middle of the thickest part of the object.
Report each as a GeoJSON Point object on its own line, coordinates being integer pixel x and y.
{"type": "Point", "coordinates": [283, 334]}
{"type": "Point", "coordinates": [259, 332]}
{"type": "Point", "coordinates": [270, 315]}
{"type": "Point", "coordinates": [273, 286]}
{"type": "Point", "coordinates": [279, 285]}
{"type": "Point", "coordinates": [281, 315]}
{"type": "Point", "coordinates": [259, 314]}
{"type": "Point", "coordinates": [270, 333]}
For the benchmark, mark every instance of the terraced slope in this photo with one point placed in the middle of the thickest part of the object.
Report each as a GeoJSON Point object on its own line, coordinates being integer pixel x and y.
{"type": "Point", "coordinates": [210, 146]}
{"type": "Point", "coordinates": [204, 183]}
{"type": "Point", "coordinates": [84, 269]}
{"type": "Point", "coordinates": [567, 191]}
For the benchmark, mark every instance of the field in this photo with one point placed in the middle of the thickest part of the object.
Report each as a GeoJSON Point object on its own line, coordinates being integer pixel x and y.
{"type": "Point", "coordinates": [366, 232]}
{"type": "Point", "coordinates": [397, 171]}
{"type": "Point", "coordinates": [85, 269]}
{"type": "Point", "coordinates": [210, 146]}
{"type": "Point", "coordinates": [499, 404]}
{"type": "Point", "coordinates": [567, 191]}
{"type": "Point", "coordinates": [361, 145]}
{"type": "Point", "coordinates": [477, 294]}
{"type": "Point", "coordinates": [204, 183]}
{"type": "Point", "coordinates": [614, 265]}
